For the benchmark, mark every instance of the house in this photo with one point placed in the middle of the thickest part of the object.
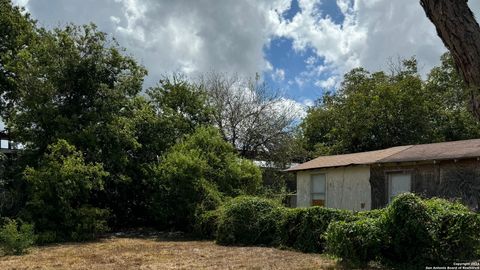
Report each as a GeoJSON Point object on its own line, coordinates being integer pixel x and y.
{"type": "Point", "coordinates": [6, 144]}
{"type": "Point", "coordinates": [369, 180]}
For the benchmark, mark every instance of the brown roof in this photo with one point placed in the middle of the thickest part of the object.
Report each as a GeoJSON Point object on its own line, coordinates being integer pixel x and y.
{"type": "Point", "coordinates": [348, 159]}
{"type": "Point", "coordinates": [437, 151]}
{"type": "Point", "coordinates": [408, 153]}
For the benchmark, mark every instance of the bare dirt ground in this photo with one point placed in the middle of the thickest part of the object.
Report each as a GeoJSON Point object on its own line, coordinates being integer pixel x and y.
{"type": "Point", "coordinates": [152, 253]}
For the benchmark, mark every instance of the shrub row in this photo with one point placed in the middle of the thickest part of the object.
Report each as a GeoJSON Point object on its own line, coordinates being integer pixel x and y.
{"type": "Point", "coordinates": [410, 230]}
{"type": "Point", "coordinates": [249, 220]}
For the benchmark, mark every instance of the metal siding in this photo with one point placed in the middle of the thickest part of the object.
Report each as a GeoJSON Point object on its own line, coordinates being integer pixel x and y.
{"type": "Point", "coordinates": [347, 187]}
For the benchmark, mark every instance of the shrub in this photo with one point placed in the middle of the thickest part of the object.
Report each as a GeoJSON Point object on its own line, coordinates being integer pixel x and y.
{"type": "Point", "coordinates": [193, 177]}
{"type": "Point", "coordinates": [374, 213]}
{"type": "Point", "coordinates": [303, 228]}
{"type": "Point", "coordinates": [206, 213]}
{"type": "Point", "coordinates": [358, 242]}
{"type": "Point", "coordinates": [60, 190]}
{"type": "Point", "coordinates": [456, 231]}
{"type": "Point", "coordinates": [409, 233]}
{"type": "Point", "coordinates": [408, 227]}
{"type": "Point", "coordinates": [249, 221]}
{"type": "Point", "coordinates": [206, 224]}
{"type": "Point", "coordinates": [90, 223]}
{"type": "Point", "coordinates": [16, 238]}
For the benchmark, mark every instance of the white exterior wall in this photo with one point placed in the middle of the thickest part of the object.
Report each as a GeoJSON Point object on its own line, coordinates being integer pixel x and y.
{"type": "Point", "coordinates": [347, 187]}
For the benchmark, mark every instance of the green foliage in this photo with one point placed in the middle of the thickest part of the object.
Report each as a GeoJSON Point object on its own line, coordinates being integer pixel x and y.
{"type": "Point", "coordinates": [359, 241]}
{"type": "Point", "coordinates": [456, 231]}
{"type": "Point", "coordinates": [377, 110]}
{"type": "Point", "coordinates": [303, 228]}
{"type": "Point", "coordinates": [182, 103]}
{"type": "Point", "coordinates": [408, 226]}
{"type": "Point", "coordinates": [194, 176]}
{"type": "Point", "coordinates": [410, 233]}
{"type": "Point", "coordinates": [16, 237]}
{"type": "Point", "coordinates": [206, 224]}
{"type": "Point", "coordinates": [249, 221]}
{"type": "Point", "coordinates": [16, 32]}
{"type": "Point", "coordinates": [60, 189]}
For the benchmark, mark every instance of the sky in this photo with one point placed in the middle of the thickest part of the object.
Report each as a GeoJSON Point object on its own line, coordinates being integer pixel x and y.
{"type": "Point", "coordinates": [300, 48]}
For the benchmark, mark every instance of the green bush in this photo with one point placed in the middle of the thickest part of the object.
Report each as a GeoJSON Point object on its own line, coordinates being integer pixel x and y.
{"type": "Point", "coordinates": [60, 191]}
{"type": "Point", "coordinates": [374, 213]}
{"type": "Point", "coordinates": [456, 231]}
{"type": "Point", "coordinates": [16, 237]}
{"type": "Point", "coordinates": [303, 228]}
{"type": "Point", "coordinates": [410, 233]}
{"type": "Point", "coordinates": [408, 227]}
{"type": "Point", "coordinates": [91, 222]}
{"type": "Point", "coordinates": [206, 224]}
{"type": "Point", "coordinates": [249, 221]}
{"type": "Point", "coordinates": [358, 242]}
{"type": "Point", "coordinates": [206, 212]}
{"type": "Point", "coordinates": [195, 175]}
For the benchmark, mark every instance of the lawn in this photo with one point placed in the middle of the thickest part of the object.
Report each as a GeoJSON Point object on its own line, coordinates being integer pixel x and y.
{"type": "Point", "coordinates": [161, 253]}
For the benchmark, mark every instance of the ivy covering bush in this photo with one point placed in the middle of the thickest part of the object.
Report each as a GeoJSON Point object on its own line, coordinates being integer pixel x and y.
{"type": "Point", "coordinates": [249, 221]}
{"type": "Point", "coordinates": [456, 231]}
{"type": "Point", "coordinates": [408, 228]}
{"type": "Point", "coordinates": [16, 237]}
{"type": "Point", "coordinates": [360, 241]}
{"type": "Point", "coordinates": [303, 228]}
{"type": "Point", "coordinates": [409, 233]}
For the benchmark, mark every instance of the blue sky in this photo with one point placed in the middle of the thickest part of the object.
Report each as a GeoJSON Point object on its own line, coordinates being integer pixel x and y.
{"type": "Point", "coordinates": [301, 47]}
{"type": "Point", "coordinates": [281, 55]}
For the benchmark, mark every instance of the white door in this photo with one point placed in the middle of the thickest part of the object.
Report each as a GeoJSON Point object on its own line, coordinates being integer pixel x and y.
{"type": "Point", "coordinates": [398, 183]}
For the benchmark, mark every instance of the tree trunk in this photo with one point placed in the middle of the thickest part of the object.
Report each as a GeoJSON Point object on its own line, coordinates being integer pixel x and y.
{"type": "Point", "coordinates": [460, 32]}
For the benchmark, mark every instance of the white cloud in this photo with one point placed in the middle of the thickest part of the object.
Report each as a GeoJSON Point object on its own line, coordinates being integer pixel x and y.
{"type": "Point", "coordinates": [278, 75]}
{"type": "Point", "coordinates": [186, 36]}
{"type": "Point", "coordinates": [329, 83]}
{"type": "Point", "coordinates": [292, 108]}
{"type": "Point", "coordinates": [371, 32]}
{"type": "Point", "coordinates": [308, 102]}
{"type": "Point", "coordinates": [230, 35]}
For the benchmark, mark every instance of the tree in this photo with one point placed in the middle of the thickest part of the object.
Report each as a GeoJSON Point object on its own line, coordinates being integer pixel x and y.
{"type": "Point", "coordinates": [17, 31]}
{"type": "Point", "coordinates": [195, 175]}
{"type": "Point", "coordinates": [60, 191]}
{"type": "Point", "coordinates": [370, 111]}
{"type": "Point", "coordinates": [448, 97]}
{"type": "Point", "coordinates": [460, 32]}
{"type": "Point", "coordinates": [180, 103]}
{"type": "Point", "coordinates": [250, 117]}
{"type": "Point", "coordinates": [76, 84]}
{"type": "Point", "coordinates": [373, 111]}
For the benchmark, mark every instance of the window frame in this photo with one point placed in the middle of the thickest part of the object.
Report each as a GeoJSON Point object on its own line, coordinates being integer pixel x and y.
{"type": "Point", "coordinates": [389, 182]}
{"type": "Point", "coordinates": [312, 176]}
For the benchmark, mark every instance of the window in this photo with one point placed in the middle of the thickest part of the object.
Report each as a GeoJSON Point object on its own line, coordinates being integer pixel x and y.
{"type": "Point", "coordinates": [398, 183]}
{"type": "Point", "coordinates": [318, 187]}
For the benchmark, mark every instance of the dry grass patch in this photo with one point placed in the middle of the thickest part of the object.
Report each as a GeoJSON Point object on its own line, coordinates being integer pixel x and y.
{"type": "Point", "coordinates": [151, 253]}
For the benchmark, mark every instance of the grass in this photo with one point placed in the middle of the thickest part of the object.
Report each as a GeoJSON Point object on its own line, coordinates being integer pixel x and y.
{"type": "Point", "coordinates": [161, 253]}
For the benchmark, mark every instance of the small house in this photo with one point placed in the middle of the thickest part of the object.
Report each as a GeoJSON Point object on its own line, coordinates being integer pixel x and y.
{"type": "Point", "coordinates": [369, 180]}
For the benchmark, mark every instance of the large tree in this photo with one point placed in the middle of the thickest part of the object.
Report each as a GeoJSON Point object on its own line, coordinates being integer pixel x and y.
{"type": "Point", "coordinates": [372, 111]}
{"type": "Point", "coordinates": [252, 117]}
{"type": "Point", "coordinates": [460, 32]}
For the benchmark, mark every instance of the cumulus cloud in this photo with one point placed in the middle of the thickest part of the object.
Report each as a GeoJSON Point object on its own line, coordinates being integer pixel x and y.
{"type": "Point", "coordinates": [184, 36]}
{"type": "Point", "coordinates": [278, 75]}
{"type": "Point", "coordinates": [231, 36]}
{"type": "Point", "coordinates": [329, 83]}
{"type": "Point", "coordinates": [371, 33]}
